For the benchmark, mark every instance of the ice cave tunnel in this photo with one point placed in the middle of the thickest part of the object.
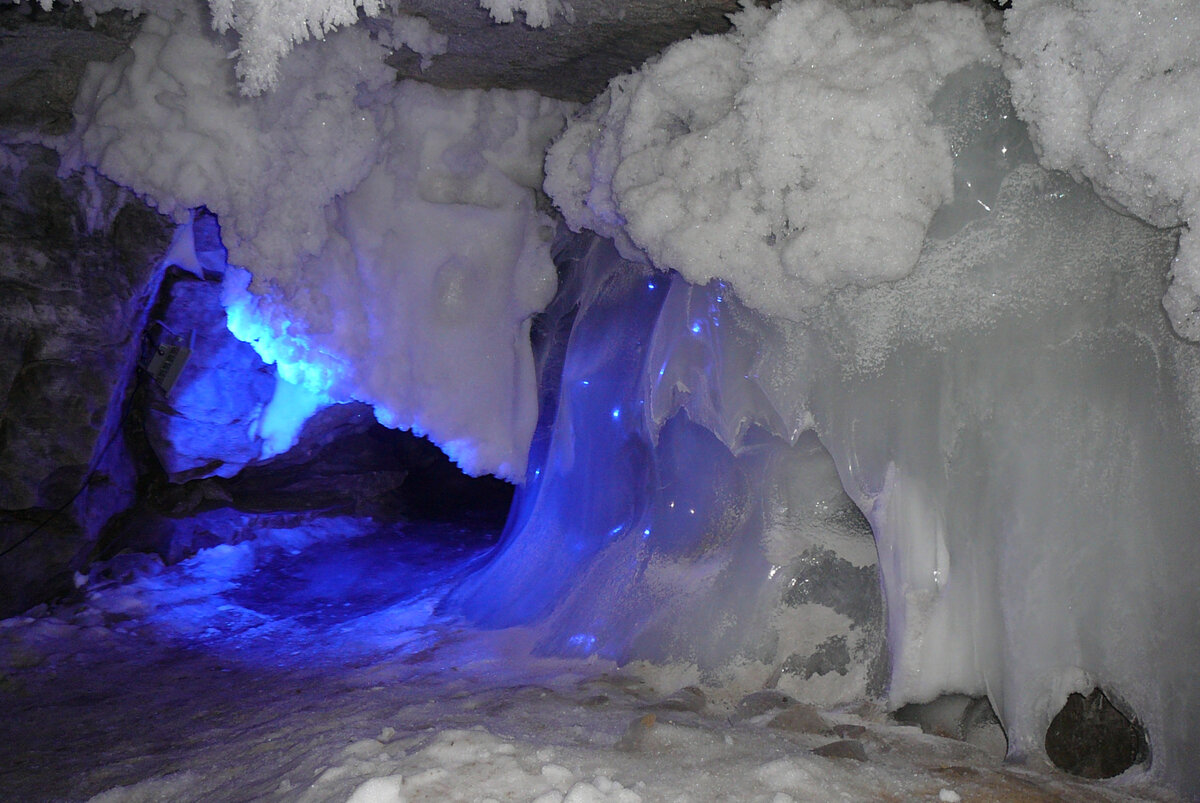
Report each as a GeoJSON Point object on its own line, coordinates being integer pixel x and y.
{"type": "Point", "coordinates": [585, 401]}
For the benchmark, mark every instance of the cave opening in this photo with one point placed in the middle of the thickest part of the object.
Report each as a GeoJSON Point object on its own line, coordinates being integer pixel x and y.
{"type": "Point", "coordinates": [1093, 737]}
{"type": "Point", "coordinates": [343, 520]}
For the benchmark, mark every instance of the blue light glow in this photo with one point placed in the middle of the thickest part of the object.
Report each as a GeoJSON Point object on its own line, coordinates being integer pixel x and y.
{"type": "Point", "coordinates": [696, 328]}
{"type": "Point", "coordinates": [616, 413]}
{"type": "Point", "coordinates": [284, 416]}
{"type": "Point", "coordinates": [337, 586]}
{"type": "Point", "coordinates": [251, 320]}
{"type": "Point", "coordinates": [584, 642]}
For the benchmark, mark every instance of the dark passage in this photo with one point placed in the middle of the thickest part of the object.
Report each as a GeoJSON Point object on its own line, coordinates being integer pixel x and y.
{"type": "Point", "coordinates": [1092, 738]}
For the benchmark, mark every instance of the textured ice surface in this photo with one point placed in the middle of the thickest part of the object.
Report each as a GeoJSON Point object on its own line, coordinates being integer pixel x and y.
{"type": "Point", "coordinates": [307, 666]}
{"type": "Point", "coordinates": [1111, 89]}
{"type": "Point", "coordinates": [788, 157]}
{"type": "Point", "coordinates": [1015, 419]}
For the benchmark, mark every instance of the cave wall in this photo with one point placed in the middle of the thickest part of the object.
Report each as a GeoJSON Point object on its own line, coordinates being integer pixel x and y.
{"type": "Point", "coordinates": [79, 260]}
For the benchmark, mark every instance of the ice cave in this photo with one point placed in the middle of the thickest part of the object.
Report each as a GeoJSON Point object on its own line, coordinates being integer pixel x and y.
{"type": "Point", "coordinates": [577, 401]}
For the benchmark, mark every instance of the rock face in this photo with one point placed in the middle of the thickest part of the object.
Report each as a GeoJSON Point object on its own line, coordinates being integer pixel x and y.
{"type": "Point", "coordinates": [44, 57]}
{"type": "Point", "coordinates": [572, 59]}
{"type": "Point", "coordinates": [206, 426]}
{"type": "Point", "coordinates": [345, 464]}
{"type": "Point", "coordinates": [77, 269]}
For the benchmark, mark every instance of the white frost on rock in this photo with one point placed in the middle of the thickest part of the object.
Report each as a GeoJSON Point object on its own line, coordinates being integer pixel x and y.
{"type": "Point", "coordinates": [538, 13]}
{"type": "Point", "coordinates": [268, 30]}
{"type": "Point", "coordinates": [391, 229]}
{"type": "Point", "coordinates": [1111, 91]}
{"type": "Point", "coordinates": [419, 36]}
{"type": "Point", "coordinates": [788, 157]}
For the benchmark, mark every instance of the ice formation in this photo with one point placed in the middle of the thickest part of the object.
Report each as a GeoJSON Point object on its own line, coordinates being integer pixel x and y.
{"type": "Point", "coordinates": [880, 297]}
{"type": "Point", "coordinates": [792, 156]}
{"type": "Point", "coordinates": [640, 535]}
{"type": "Point", "coordinates": [348, 197]}
{"type": "Point", "coordinates": [1015, 418]}
{"type": "Point", "coordinates": [537, 13]}
{"type": "Point", "coordinates": [1111, 90]}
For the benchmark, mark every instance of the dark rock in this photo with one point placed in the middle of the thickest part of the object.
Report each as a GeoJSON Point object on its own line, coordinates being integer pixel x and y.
{"type": "Point", "coordinates": [821, 577]}
{"type": "Point", "coordinates": [344, 464]}
{"type": "Point", "coordinates": [831, 655]}
{"type": "Point", "coordinates": [689, 698]}
{"type": "Point", "coordinates": [572, 59]}
{"type": "Point", "coordinates": [762, 702]}
{"type": "Point", "coordinates": [847, 731]}
{"type": "Point", "coordinates": [347, 461]}
{"type": "Point", "coordinates": [1092, 738]}
{"type": "Point", "coordinates": [76, 277]}
{"type": "Point", "coordinates": [45, 54]}
{"type": "Point", "coordinates": [846, 748]}
{"type": "Point", "coordinates": [801, 718]}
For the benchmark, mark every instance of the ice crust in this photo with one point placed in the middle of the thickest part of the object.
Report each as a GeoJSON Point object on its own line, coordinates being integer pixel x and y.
{"type": "Point", "coordinates": [790, 157]}
{"type": "Point", "coordinates": [244, 693]}
{"type": "Point", "coordinates": [1111, 90]}
{"type": "Point", "coordinates": [391, 229]}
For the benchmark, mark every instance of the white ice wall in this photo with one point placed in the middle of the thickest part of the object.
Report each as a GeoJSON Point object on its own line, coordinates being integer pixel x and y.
{"type": "Point", "coordinates": [390, 230]}
{"type": "Point", "coordinates": [1015, 415]}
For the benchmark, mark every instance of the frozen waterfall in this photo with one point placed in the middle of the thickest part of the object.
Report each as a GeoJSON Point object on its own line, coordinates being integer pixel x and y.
{"type": "Point", "coordinates": [1015, 419]}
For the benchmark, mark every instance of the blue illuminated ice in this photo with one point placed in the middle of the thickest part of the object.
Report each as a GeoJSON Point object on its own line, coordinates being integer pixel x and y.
{"type": "Point", "coordinates": [639, 535]}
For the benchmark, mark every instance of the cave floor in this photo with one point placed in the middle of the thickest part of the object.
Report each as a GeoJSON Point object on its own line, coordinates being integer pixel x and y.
{"type": "Point", "coordinates": [311, 664]}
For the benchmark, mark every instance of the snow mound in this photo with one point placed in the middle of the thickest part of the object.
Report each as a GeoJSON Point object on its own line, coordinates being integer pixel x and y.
{"type": "Point", "coordinates": [788, 157]}
{"type": "Point", "coordinates": [1111, 90]}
